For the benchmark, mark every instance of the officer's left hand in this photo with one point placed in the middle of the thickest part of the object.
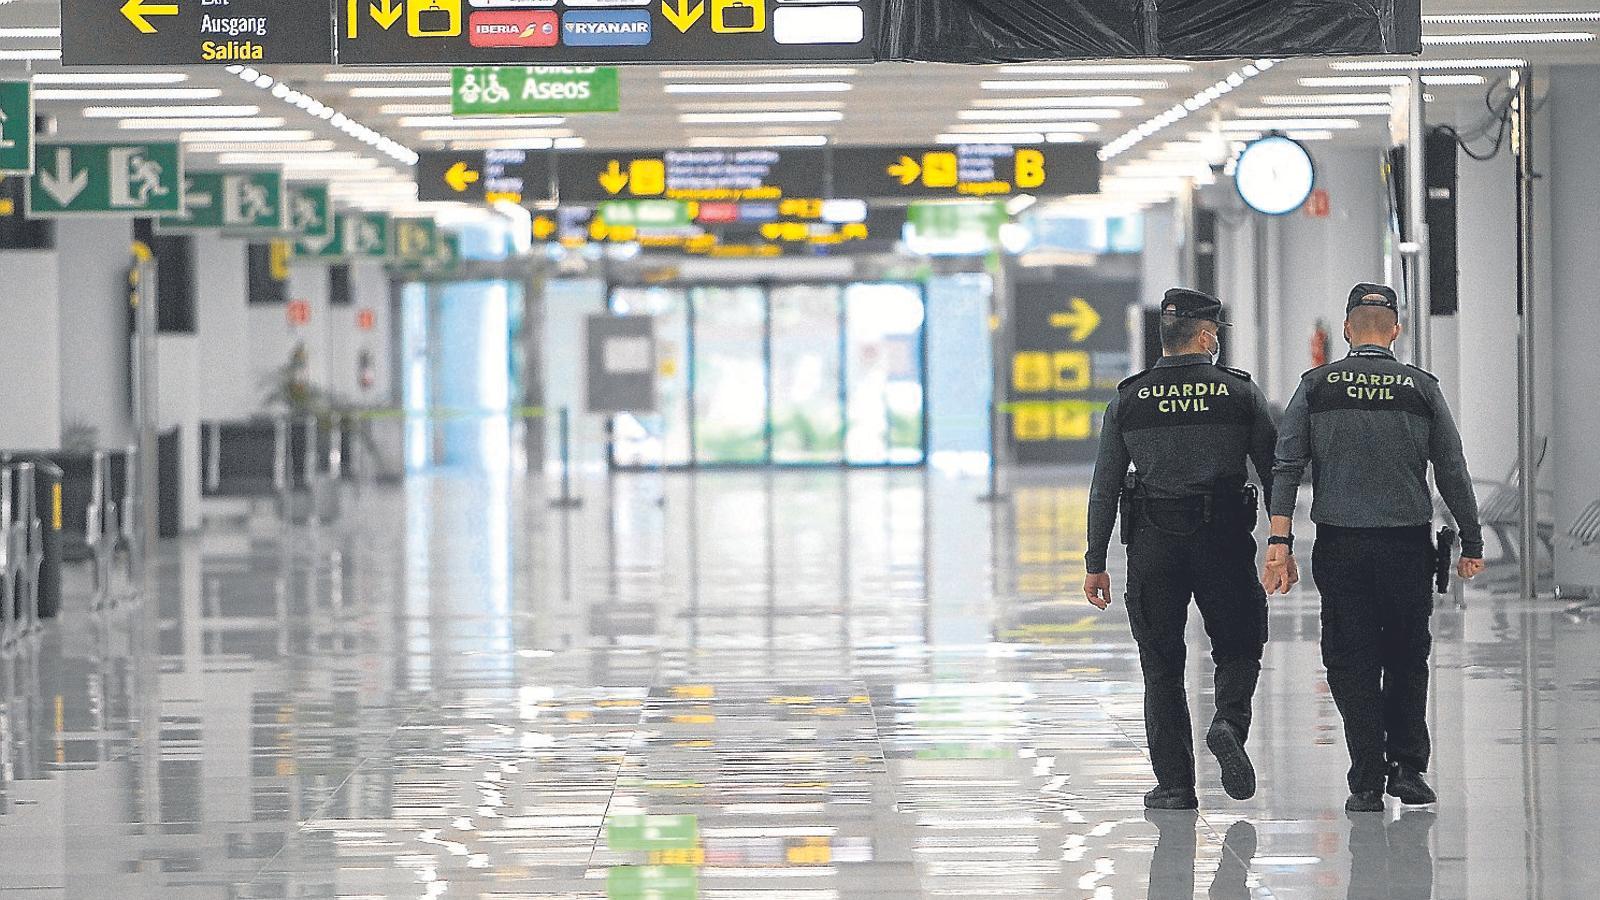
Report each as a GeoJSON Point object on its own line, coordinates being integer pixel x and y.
{"type": "Point", "coordinates": [1097, 587]}
{"type": "Point", "coordinates": [1469, 568]}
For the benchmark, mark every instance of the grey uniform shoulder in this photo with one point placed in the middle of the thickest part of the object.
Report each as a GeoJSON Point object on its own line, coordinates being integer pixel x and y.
{"type": "Point", "coordinates": [1238, 372]}
{"type": "Point", "coordinates": [1423, 371]}
{"type": "Point", "coordinates": [1312, 371]}
{"type": "Point", "coordinates": [1132, 378]}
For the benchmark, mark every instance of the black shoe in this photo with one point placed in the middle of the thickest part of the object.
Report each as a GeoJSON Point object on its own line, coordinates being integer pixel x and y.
{"type": "Point", "coordinates": [1171, 798]}
{"type": "Point", "coordinates": [1238, 775]}
{"type": "Point", "coordinates": [1365, 801]}
{"type": "Point", "coordinates": [1407, 785]}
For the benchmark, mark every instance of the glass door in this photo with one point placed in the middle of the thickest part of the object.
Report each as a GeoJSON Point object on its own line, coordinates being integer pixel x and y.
{"type": "Point", "coordinates": [884, 373]}
{"type": "Point", "coordinates": [664, 438]}
{"type": "Point", "coordinates": [807, 375]}
{"type": "Point", "coordinates": [730, 374]}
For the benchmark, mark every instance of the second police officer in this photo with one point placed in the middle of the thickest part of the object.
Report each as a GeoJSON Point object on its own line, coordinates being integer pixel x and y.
{"type": "Point", "coordinates": [1187, 425]}
{"type": "Point", "coordinates": [1369, 426]}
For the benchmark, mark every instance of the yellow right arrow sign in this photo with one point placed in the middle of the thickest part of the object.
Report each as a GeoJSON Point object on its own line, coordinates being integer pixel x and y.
{"type": "Point", "coordinates": [1082, 319]}
{"type": "Point", "coordinates": [136, 10]}
{"type": "Point", "coordinates": [906, 170]}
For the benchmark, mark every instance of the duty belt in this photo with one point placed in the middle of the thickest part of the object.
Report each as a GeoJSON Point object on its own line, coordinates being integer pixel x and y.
{"type": "Point", "coordinates": [1208, 509]}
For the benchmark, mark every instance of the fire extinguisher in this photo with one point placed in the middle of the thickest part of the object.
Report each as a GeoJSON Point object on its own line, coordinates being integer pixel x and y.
{"type": "Point", "coordinates": [367, 372]}
{"type": "Point", "coordinates": [1319, 344]}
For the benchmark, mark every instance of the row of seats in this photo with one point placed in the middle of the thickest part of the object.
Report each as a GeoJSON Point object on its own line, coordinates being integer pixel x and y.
{"type": "Point", "coordinates": [294, 462]}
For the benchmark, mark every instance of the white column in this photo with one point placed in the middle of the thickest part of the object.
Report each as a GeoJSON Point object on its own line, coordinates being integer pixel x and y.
{"type": "Point", "coordinates": [30, 351]}
{"type": "Point", "coordinates": [93, 256]}
{"type": "Point", "coordinates": [221, 267]}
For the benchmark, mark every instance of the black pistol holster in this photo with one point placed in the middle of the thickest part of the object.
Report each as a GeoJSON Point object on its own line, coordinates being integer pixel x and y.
{"type": "Point", "coordinates": [1443, 553]}
{"type": "Point", "coordinates": [1126, 510]}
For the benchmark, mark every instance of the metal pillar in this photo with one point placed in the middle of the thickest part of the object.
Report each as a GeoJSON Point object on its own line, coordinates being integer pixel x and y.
{"type": "Point", "coordinates": [147, 420]}
{"type": "Point", "coordinates": [1261, 286]}
{"type": "Point", "coordinates": [1527, 442]}
{"type": "Point", "coordinates": [1417, 275]}
{"type": "Point", "coordinates": [1002, 347]}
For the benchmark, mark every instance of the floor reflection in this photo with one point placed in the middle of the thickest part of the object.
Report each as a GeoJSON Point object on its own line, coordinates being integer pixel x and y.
{"type": "Point", "coordinates": [772, 684]}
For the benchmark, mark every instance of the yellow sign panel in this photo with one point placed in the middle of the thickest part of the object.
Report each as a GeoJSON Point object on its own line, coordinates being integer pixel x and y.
{"type": "Point", "coordinates": [1031, 372]}
{"type": "Point", "coordinates": [738, 16]}
{"type": "Point", "coordinates": [433, 18]}
{"type": "Point", "coordinates": [940, 170]}
{"type": "Point", "coordinates": [1072, 370]}
{"type": "Point", "coordinates": [648, 177]}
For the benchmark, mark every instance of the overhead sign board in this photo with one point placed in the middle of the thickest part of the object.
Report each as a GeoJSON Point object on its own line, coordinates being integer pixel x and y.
{"type": "Point", "coordinates": [194, 32]}
{"type": "Point", "coordinates": [705, 175]}
{"type": "Point", "coordinates": [415, 240]}
{"type": "Point", "coordinates": [968, 170]}
{"type": "Point", "coordinates": [16, 128]}
{"type": "Point", "coordinates": [100, 179]}
{"type": "Point", "coordinates": [520, 32]}
{"type": "Point", "coordinates": [240, 202]}
{"type": "Point", "coordinates": [533, 90]}
{"type": "Point", "coordinates": [364, 235]}
{"type": "Point", "coordinates": [310, 211]}
{"type": "Point", "coordinates": [478, 176]}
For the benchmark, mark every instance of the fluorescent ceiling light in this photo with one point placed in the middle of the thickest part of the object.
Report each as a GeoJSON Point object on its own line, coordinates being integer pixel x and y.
{"type": "Point", "coordinates": [1104, 100]}
{"type": "Point", "coordinates": [1311, 135]}
{"type": "Point", "coordinates": [154, 124]}
{"type": "Point", "coordinates": [320, 162]}
{"type": "Point", "coordinates": [1063, 137]}
{"type": "Point", "coordinates": [1164, 68]}
{"type": "Point", "coordinates": [489, 134]}
{"type": "Point", "coordinates": [41, 32]}
{"type": "Point", "coordinates": [571, 143]}
{"type": "Point", "coordinates": [1017, 137]}
{"type": "Point", "coordinates": [1082, 84]}
{"type": "Point", "coordinates": [484, 122]}
{"type": "Point", "coordinates": [291, 147]}
{"type": "Point", "coordinates": [748, 72]}
{"type": "Point", "coordinates": [532, 143]}
{"type": "Point", "coordinates": [127, 93]}
{"type": "Point", "coordinates": [1408, 65]}
{"type": "Point", "coordinates": [381, 92]}
{"type": "Point", "coordinates": [1267, 112]}
{"type": "Point", "coordinates": [164, 112]}
{"type": "Point", "coordinates": [756, 105]}
{"type": "Point", "coordinates": [1538, 18]}
{"type": "Point", "coordinates": [110, 78]}
{"type": "Point", "coordinates": [415, 109]}
{"type": "Point", "coordinates": [760, 117]}
{"type": "Point", "coordinates": [1353, 81]}
{"type": "Point", "coordinates": [30, 55]}
{"type": "Point", "coordinates": [1526, 37]}
{"type": "Point", "coordinates": [1320, 99]}
{"type": "Point", "coordinates": [1016, 115]}
{"type": "Point", "coordinates": [774, 140]}
{"type": "Point", "coordinates": [385, 77]}
{"type": "Point", "coordinates": [761, 87]}
{"type": "Point", "coordinates": [1287, 124]}
{"type": "Point", "coordinates": [246, 136]}
{"type": "Point", "coordinates": [1079, 127]}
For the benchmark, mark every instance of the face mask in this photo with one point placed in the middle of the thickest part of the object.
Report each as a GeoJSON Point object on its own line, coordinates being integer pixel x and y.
{"type": "Point", "coordinates": [1216, 348]}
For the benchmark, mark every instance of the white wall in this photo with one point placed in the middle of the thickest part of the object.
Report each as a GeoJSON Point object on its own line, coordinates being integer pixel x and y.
{"type": "Point", "coordinates": [92, 258]}
{"type": "Point", "coordinates": [30, 351]}
{"type": "Point", "coordinates": [221, 274]}
{"type": "Point", "coordinates": [180, 385]}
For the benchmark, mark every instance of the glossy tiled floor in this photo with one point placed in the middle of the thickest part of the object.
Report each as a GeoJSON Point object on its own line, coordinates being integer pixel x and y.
{"type": "Point", "coordinates": [787, 685]}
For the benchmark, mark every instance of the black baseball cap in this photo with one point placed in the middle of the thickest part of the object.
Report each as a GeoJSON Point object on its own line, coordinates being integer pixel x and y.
{"type": "Point", "coordinates": [1187, 303]}
{"type": "Point", "coordinates": [1367, 294]}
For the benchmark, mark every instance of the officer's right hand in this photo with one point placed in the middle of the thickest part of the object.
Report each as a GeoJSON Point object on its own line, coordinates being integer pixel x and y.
{"type": "Point", "coordinates": [1097, 587]}
{"type": "Point", "coordinates": [1281, 572]}
{"type": "Point", "coordinates": [1469, 567]}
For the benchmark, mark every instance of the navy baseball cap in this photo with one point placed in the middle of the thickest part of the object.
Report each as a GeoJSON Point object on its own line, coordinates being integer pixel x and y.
{"type": "Point", "coordinates": [1367, 294]}
{"type": "Point", "coordinates": [1187, 303]}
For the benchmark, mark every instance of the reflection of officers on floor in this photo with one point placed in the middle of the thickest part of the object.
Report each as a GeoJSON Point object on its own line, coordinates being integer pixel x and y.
{"type": "Point", "coordinates": [1369, 426]}
{"type": "Point", "coordinates": [1187, 425]}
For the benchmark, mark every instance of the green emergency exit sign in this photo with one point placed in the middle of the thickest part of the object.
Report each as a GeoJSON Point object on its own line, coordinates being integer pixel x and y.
{"type": "Point", "coordinates": [16, 127]}
{"type": "Point", "coordinates": [532, 90]}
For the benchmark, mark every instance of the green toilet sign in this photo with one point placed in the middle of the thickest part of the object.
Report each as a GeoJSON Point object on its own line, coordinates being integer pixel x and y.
{"type": "Point", "coordinates": [101, 179]}
{"type": "Point", "coordinates": [237, 202]}
{"type": "Point", "coordinates": [533, 90]}
{"type": "Point", "coordinates": [16, 128]}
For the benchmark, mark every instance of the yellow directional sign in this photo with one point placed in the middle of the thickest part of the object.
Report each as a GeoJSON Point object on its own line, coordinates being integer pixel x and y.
{"type": "Point", "coordinates": [1081, 318]}
{"type": "Point", "coordinates": [543, 227]}
{"type": "Point", "coordinates": [385, 12]}
{"type": "Point", "coordinates": [460, 177]}
{"type": "Point", "coordinates": [613, 179]}
{"type": "Point", "coordinates": [738, 16]}
{"type": "Point", "coordinates": [136, 10]}
{"type": "Point", "coordinates": [433, 18]}
{"type": "Point", "coordinates": [682, 13]}
{"type": "Point", "coordinates": [906, 169]}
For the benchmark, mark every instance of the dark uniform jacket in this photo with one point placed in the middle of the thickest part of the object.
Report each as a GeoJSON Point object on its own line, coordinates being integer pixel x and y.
{"type": "Point", "coordinates": [1369, 425]}
{"type": "Point", "coordinates": [1187, 426]}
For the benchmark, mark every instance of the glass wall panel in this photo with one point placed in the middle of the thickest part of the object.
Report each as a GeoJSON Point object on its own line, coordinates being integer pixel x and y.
{"type": "Point", "coordinates": [807, 422]}
{"type": "Point", "coordinates": [664, 437]}
{"type": "Point", "coordinates": [883, 368]}
{"type": "Point", "coordinates": [730, 374]}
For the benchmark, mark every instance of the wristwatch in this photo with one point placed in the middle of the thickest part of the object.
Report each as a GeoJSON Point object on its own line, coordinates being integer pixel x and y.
{"type": "Point", "coordinates": [1286, 540]}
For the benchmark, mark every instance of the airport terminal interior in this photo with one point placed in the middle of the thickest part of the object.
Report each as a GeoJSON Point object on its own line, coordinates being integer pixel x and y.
{"type": "Point", "coordinates": [642, 448]}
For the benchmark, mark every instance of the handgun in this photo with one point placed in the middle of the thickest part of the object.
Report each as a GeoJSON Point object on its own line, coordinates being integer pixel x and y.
{"type": "Point", "coordinates": [1443, 555]}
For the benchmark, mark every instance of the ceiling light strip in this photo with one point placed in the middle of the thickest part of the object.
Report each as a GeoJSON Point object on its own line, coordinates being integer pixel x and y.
{"type": "Point", "coordinates": [317, 109]}
{"type": "Point", "coordinates": [1179, 111]}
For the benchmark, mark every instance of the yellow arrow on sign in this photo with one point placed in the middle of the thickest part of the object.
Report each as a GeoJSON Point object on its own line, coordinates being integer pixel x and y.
{"type": "Point", "coordinates": [136, 10]}
{"type": "Point", "coordinates": [613, 179]}
{"type": "Point", "coordinates": [543, 227]}
{"type": "Point", "coordinates": [683, 16]}
{"type": "Point", "coordinates": [386, 13]}
{"type": "Point", "coordinates": [906, 170]}
{"type": "Point", "coordinates": [1083, 320]}
{"type": "Point", "coordinates": [459, 177]}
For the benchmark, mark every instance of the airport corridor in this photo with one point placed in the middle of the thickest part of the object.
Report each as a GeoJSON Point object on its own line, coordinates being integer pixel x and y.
{"type": "Point", "coordinates": [796, 684]}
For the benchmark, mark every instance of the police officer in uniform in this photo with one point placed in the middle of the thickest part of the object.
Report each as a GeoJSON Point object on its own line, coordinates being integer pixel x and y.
{"type": "Point", "coordinates": [1186, 425]}
{"type": "Point", "coordinates": [1369, 426]}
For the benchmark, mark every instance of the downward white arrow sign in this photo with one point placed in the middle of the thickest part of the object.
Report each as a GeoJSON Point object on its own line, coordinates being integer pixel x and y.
{"type": "Point", "coordinates": [64, 185]}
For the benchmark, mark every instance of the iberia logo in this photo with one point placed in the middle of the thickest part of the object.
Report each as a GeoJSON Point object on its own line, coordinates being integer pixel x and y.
{"type": "Point", "coordinates": [514, 28]}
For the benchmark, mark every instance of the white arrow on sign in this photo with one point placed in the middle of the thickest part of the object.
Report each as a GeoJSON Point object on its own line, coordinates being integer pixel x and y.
{"type": "Point", "coordinates": [316, 244]}
{"type": "Point", "coordinates": [5, 143]}
{"type": "Point", "coordinates": [193, 199]}
{"type": "Point", "coordinates": [64, 185]}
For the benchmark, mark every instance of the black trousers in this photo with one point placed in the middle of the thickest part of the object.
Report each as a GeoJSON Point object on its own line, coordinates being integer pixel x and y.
{"type": "Point", "coordinates": [1172, 558]}
{"type": "Point", "coordinates": [1377, 598]}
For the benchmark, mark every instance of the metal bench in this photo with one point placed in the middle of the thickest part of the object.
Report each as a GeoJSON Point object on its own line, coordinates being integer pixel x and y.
{"type": "Point", "coordinates": [22, 546]}
{"type": "Point", "coordinates": [293, 462]}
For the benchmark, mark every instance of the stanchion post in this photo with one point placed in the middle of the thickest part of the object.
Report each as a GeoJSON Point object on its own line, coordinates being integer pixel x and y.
{"type": "Point", "coordinates": [566, 500]}
{"type": "Point", "coordinates": [996, 426]}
